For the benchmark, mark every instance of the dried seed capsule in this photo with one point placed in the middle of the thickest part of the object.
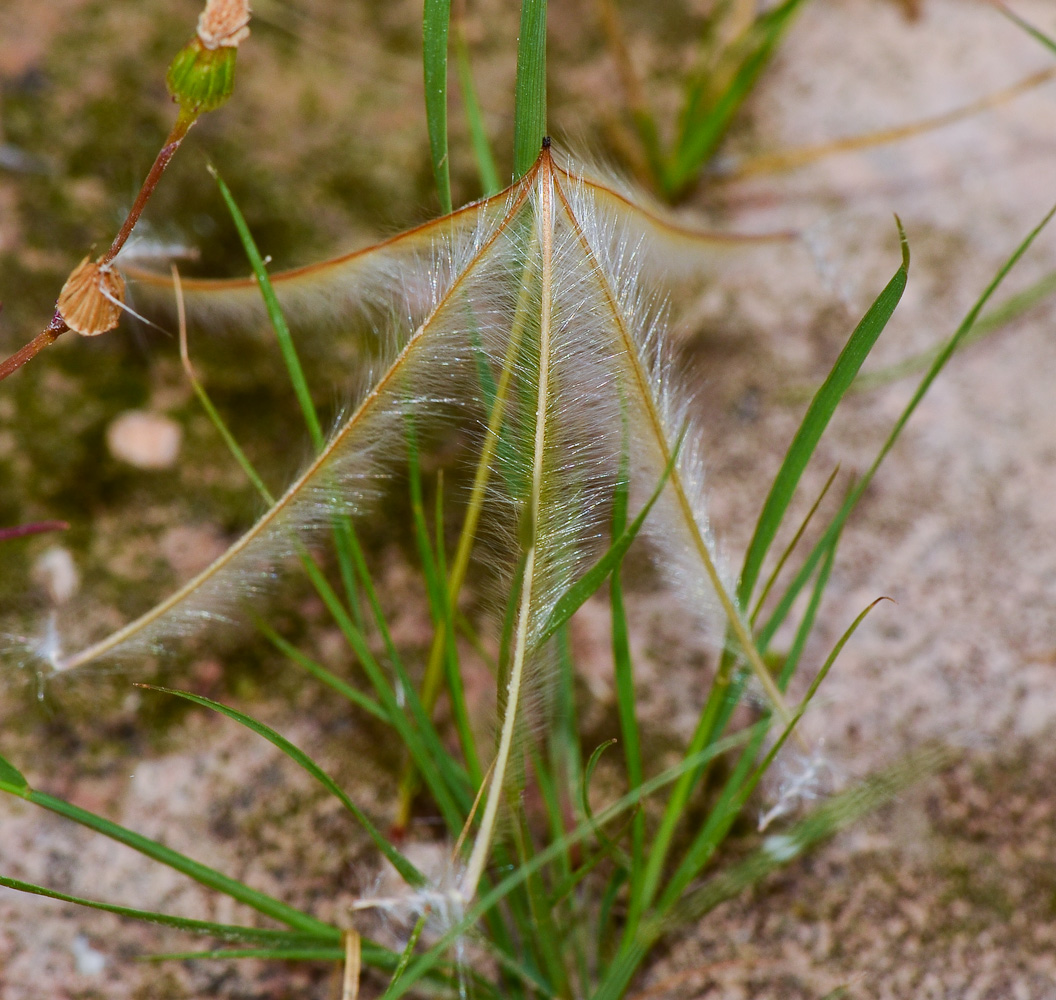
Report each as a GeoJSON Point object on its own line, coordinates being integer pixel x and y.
{"type": "Point", "coordinates": [202, 75]}
{"type": "Point", "coordinates": [224, 23]}
{"type": "Point", "coordinates": [201, 79]}
{"type": "Point", "coordinates": [90, 301]}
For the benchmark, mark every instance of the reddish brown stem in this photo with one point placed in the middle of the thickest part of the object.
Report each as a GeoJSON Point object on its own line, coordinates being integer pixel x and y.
{"type": "Point", "coordinates": [46, 337]}
{"type": "Point", "coordinates": [58, 326]}
{"type": "Point", "coordinates": [161, 161]}
{"type": "Point", "coordinates": [36, 528]}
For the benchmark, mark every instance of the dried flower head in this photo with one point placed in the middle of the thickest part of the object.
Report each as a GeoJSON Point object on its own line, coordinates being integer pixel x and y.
{"type": "Point", "coordinates": [224, 23]}
{"type": "Point", "coordinates": [90, 302]}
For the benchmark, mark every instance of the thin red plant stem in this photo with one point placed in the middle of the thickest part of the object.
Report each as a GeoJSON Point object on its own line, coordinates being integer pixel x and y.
{"type": "Point", "coordinates": [47, 336]}
{"type": "Point", "coordinates": [161, 161]}
{"type": "Point", "coordinates": [36, 528]}
{"type": "Point", "coordinates": [58, 326]}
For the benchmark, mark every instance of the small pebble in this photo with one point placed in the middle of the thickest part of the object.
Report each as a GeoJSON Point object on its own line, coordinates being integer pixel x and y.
{"type": "Point", "coordinates": [55, 571]}
{"type": "Point", "coordinates": [145, 440]}
{"type": "Point", "coordinates": [89, 961]}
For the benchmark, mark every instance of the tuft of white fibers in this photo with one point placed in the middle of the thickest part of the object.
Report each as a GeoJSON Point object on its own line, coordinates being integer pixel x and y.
{"type": "Point", "coordinates": [400, 905]}
{"type": "Point", "coordinates": [805, 778]}
{"type": "Point", "coordinates": [88, 960]}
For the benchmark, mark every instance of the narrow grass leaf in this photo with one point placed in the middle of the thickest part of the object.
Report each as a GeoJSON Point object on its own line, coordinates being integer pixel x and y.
{"type": "Point", "coordinates": [791, 547]}
{"type": "Point", "coordinates": [275, 314]}
{"type": "Point", "coordinates": [334, 954]}
{"type": "Point", "coordinates": [209, 877]}
{"type": "Point", "coordinates": [588, 775]}
{"type": "Point", "coordinates": [806, 625]}
{"type": "Point", "coordinates": [407, 871]}
{"type": "Point", "coordinates": [11, 775]}
{"type": "Point", "coordinates": [836, 525]}
{"type": "Point", "coordinates": [1035, 33]}
{"type": "Point", "coordinates": [529, 120]}
{"type": "Point", "coordinates": [705, 119]}
{"type": "Point", "coordinates": [816, 419]}
{"type": "Point", "coordinates": [623, 674]}
{"type": "Point", "coordinates": [320, 673]}
{"type": "Point", "coordinates": [408, 950]}
{"type": "Point", "coordinates": [478, 135]}
{"type": "Point", "coordinates": [227, 932]}
{"type": "Point", "coordinates": [436, 21]}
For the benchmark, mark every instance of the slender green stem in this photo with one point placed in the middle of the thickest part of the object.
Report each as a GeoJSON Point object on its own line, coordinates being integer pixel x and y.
{"type": "Point", "coordinates": [436, 20]}
{"type": "Point", "coordinates": [529, 125]}
{"type": "Point", "coordinates": [482, 844]}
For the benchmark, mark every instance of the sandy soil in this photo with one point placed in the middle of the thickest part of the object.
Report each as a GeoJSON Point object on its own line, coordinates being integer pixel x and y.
{"type": "Point", "coordinates": [951, 893]}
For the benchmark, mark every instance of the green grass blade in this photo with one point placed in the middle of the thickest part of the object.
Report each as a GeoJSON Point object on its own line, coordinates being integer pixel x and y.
{"type": "Point", "coordinates": [836, 525]}
{"type": "Point", "coordinates": [705, 121]}
{"type": "Point", "coordinates": [408, 951]}
{"type": "Point", "coordinates": [566, 726]}
{"type": "Point", "coordinates": [275, 315]}
{"type": "Point", "coordinates": [335, 954]}
{"type": "Point", "coordinates": [342, 527]}
{"type": "Point", "coordinates": [227, 932]}
{"type": "Point", "coordinates": [478, 135]}
{"type": "Point", "coordinates": [584, 830]}
{"type": "Point", "coordinates": [436, 22]}
{"type": "Point", "coordinates": [606, 914]}
{"type": "Point", "coordinates": [834, 815]}
{"type": "Point", "coordinates": [320, 673]}
{"type": "Point", "coordinates": [576, 595]}
{"type": "Point", "coordinates": [1035, 33]}
{"type": "Point", "coordinates": [529, 119]}
{"type": "Point", "coordinates": [203, 874]}
{"type": "Point", "coordinates": [233, 446]}
{"type": "Point", "coordinates": [806, 625]}
{"type": "Point", "coordinates": [407, 871]}
{"type": "Point", "coordinates": [11, 775]}
{"type": "Point", "coordinates": [372, 954]}
{"type": "Point", "coordinates": [791, 547]}
{"type": "Point", "coordinates": [623, 674]}
{"type": "Point", "coordinates": [778, 850]}
{"type": "Point", "coordinates": [993, 321]}
{"type": "Point", "coordinates": [816, 419]}
{"type": "Point", "coordinates": [546, 779]}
